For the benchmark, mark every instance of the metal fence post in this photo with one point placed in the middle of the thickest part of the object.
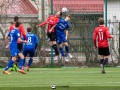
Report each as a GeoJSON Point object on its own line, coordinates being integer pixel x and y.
{"type": "Point", "coordinates": [52, 59]}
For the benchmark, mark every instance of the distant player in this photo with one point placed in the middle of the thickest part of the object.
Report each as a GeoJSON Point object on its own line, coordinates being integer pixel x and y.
{"type": "Point", "coordinates": [62, 34]}
{"type": "Point", "coordinates": [14, 37]}
{"type": "Point", "coordinates": [30, 47]}
{"type": "Point", "coordinates": [101, 35]}
{"type": "Point", "coordinates": [19, 44]}
{"type": "Point", "coordinates": [51, 21]}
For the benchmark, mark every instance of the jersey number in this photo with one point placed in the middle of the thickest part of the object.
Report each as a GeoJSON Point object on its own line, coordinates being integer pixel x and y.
{"type": "Point", "coordinates": [100, 35]}
{"type": "Point", "coordinates": [29, 39]}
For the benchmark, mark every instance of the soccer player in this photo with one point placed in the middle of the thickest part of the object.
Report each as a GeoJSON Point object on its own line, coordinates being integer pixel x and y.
{"type": "Point", "coordinates": [51, 21]}
{"type": "Point", "coordinates": [14, 37]}
{"type": "Point", "coordinates": [61, 27]}
{"type": "Point", "coordinates": [101, 34]}
{"type": "Point", "coordinates": [30, 47]}
{"type": "Point", "coordinates": [19, 44]}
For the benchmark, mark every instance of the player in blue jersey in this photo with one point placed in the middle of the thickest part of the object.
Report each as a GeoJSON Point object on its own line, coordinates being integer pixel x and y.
{"type": "Point", "coordinates": [14, 37]}
{"type": "Point", "coordinates": [62, 34]}
{"type": "Point", "coordinates": [30, 47]}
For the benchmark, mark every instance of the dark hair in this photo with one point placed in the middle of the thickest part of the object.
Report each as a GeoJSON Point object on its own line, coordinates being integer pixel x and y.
{"type": "Point", "coordinates": [29, 29]}
{"type": "Point", "coordinates": [101, 21]}
{"type": "Point", "coordinates": [61, 14]}
{"type": "Point", "coordinates": [16, 18]}
{"type": "Point", "coordinates": [17, 24]}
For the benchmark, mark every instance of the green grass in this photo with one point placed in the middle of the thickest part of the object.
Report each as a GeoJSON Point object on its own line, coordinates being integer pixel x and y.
{"type": "Point", "coordinates": [64, 78]}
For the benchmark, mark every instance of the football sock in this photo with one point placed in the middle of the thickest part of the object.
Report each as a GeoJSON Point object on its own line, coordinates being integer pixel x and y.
{"type": "Point", "coordinates": [67, 49]}
{"type": "Point", "coordinates": [101, 61]}
{"type": "Point", "coordinates": [30, 61]}
{"type": "Point", "coordinates": [24, 62]}
{"type": "Point", "coordinates": [62, 52]}
{"type": "Point", "coordinates": [10, 63]}
{"type": "Point", "coordinates": [21, 63]}
{"type": "Point", "coordinates": [105, 61]}
{"type": "Point", "coordinates": [55, 49]}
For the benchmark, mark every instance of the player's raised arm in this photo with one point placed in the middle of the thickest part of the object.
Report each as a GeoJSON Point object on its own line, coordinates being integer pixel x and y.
{"type": "Point", "coordinates": [43, 23]}
{"type": "Point", "coordinates": [108, 34]}
{"type": "Point", "coordinates": [24, 41]}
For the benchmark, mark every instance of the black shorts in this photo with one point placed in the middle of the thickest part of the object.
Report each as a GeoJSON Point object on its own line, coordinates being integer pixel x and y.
{"type": "Point", "coordinates": [52, 36]}
{"type": "Point", "coordinates": [20, 46]}
{"type": "Point", "coordinates": [104, 51]}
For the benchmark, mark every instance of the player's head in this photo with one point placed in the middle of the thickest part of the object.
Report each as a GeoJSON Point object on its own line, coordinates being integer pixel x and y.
{"type": "Point", "coordinates": [101, 21]}
{"type": "Point", "coordinates": [29, 29]}
{"type": "Point", "coordinates": [17, 24]}
{"type": "Point", "coordinates": [67, 18]}
{"type": "Point", "coordinates": [16, 18]}
{"type": "Point", "coordinates": [58, 14]}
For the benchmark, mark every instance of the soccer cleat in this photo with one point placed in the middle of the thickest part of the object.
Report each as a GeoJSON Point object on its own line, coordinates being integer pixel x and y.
{"type": "Point", "coordinates": [69, 55]}
{"type": "Point", "coordinates": [56, 57]}
{"type": "Point", "coordinates": [22, 71]}
{"type": "Point", "coordinates": [65, 59]}
{"type": "Point", "coordinates": [27, 68]}
{"type": "Point", "coordinates": [103, 71]}
{"type": "Point", "coordinates": [6, 72]}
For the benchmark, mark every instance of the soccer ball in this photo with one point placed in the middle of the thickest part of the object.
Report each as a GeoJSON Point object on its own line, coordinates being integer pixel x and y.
{"type": "Point", "coordinates": [53, 86]}
{"type": "Point", "coordinates": [64, 9]}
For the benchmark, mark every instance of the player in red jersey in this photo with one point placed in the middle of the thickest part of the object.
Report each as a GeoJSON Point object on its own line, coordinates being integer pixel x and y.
{"type": "Point", "coordinates": [51, 21]}
{"type": "Point", "coordinates": [101, 35]}
{"type": "Point", "coordinates": [21, 29]}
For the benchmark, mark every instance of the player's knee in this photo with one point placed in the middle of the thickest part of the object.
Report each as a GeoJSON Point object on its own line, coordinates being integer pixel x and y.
{"type": "Point", "coordinates": [14, 58]}
{"type": "Point", "coordinates": [65, 44]}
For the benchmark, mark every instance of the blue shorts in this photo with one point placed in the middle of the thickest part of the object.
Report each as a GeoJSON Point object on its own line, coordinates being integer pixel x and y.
{"type": "Point", "coordinates": [61, 38]}
{"type": "Point", "coordinates": [14, 51]}
{"type": "Point", "coordinates": [31, 52]}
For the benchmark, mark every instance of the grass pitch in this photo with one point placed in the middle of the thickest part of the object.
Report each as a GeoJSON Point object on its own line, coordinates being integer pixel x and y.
{"type": "Point", "coordinates": [63, 78]}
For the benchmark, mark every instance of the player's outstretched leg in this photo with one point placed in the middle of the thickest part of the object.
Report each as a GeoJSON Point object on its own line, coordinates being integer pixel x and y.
{"type": "Point", "coordinates": [10, 63]}
{"type": "Point", "coordinates": [29, 64]}
{"type": "Point", "coordinates": [68, 51]}
{"type": "Point", "coordinates": [56, 52]}
{"type": "Point", "coordinates": [20, 66]}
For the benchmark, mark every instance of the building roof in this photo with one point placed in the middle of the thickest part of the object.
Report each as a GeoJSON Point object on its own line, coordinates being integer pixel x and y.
{"type": "Point", "coordinates": [19, 7]}
{"type": "Point", "coordinates": [80, 6]}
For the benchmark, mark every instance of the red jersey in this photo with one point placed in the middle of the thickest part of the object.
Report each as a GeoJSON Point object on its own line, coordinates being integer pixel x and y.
{"type": "Point", "coordinates": [102, 34]}
{"type": "Point", "coordinates": [21, 30]}
{"type": "Point", "coordinates": [51, 21]}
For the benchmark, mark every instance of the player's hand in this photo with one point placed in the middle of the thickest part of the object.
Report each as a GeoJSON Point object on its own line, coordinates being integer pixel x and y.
{"type": "Point", "coordinates": [50, 31]}
{"type": "Point", "coordinates": [112, 36]}
{"type": "Point", "coordinates": [7, 46]}
{"type": "Point", "coordinates": [37, 26]}
{"type": "Point", "coordinates": [95, 47]}
{"type": "Point", "coordinates": [66, 38]}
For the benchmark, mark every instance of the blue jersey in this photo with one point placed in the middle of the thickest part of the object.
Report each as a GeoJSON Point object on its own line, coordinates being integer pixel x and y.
{"type": "Point", "coordinates": [62, 25]}
{"type": "Point", "coordinates": [14, 35]}
{"type": "Point", "coordinates": [32, 41]}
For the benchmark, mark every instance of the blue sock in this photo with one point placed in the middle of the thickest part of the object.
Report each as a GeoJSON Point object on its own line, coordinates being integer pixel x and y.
{"type": "Point", "coordinates": [21, 63]}
{"type": "Point", "coordinates": [10, 63]}
{"type": "Point", "coordinates": [62, 52]}
{"type": "Point", "coordinates": [67, 49]}
{"type": "Point", "coordinates": [24, 62]}
{"type": "Point", "coordinates": [30, 62]}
